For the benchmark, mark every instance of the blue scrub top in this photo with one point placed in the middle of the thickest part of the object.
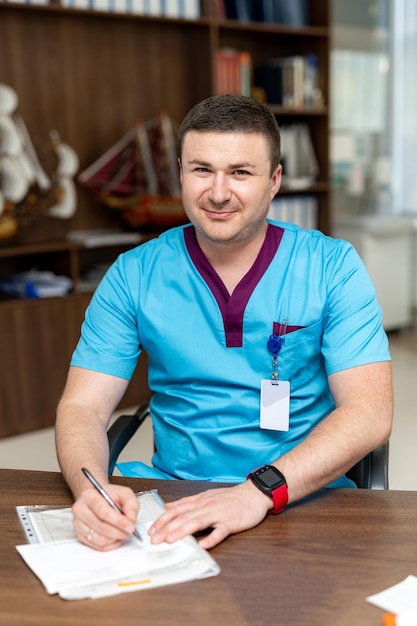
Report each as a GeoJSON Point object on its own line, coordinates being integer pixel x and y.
{"type": "Point", "coordinates": [207, 350]}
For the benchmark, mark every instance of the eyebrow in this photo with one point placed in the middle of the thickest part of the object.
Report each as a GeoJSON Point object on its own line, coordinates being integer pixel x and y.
{"type": "Point", "coordinates": [231, 166]}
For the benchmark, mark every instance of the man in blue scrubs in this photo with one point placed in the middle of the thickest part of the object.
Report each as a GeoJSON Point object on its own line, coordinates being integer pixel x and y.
{"type": "Point", "coordinates": [266, 352]}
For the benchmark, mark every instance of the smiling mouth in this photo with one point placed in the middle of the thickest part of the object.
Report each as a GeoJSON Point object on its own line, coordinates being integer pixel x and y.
{"type": "Point", "coordinates": [219, 214]}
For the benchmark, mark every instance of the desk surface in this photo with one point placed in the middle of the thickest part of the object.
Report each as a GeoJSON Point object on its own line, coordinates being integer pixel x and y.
{"type": "Point", "coordinates": [312, 565]}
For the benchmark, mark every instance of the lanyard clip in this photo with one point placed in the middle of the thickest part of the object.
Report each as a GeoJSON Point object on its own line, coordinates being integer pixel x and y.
{"type": "Point", "coordinates": [274, 345]}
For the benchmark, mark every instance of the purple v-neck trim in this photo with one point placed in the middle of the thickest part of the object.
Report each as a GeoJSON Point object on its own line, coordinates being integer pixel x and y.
{"type": "Point", "coordinates": [232, 307]}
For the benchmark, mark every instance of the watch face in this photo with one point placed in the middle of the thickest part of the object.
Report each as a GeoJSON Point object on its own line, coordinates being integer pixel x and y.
{"type": "Point", "coordinates": [270, 478]}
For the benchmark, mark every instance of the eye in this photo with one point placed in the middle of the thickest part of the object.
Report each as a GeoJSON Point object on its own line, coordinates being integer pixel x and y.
{"type": "Point", "coordinates": [241, 173]}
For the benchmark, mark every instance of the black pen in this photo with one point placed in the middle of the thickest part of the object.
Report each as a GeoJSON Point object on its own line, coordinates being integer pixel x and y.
{"type": "Point", "coordinates": [107, 497]}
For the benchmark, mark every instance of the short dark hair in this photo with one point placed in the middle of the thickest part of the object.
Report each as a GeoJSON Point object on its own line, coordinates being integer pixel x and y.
{"type": "Point", "coordinates": [234, 114]}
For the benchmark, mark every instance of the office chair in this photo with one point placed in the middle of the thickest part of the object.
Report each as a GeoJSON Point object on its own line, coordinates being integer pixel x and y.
{"type": "Point", "coordinates": [369, 473]}
{"type": "Point", "coordinates": [122, 430]}
{"type": "Point", "coordinates": [372, 471]}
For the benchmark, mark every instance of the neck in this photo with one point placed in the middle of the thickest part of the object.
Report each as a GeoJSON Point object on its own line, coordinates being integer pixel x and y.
{"type": "Point", "coordinates": [232, 261]}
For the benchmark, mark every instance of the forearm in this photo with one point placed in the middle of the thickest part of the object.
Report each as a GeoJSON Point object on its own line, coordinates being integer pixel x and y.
{"type": "Point", "coordinates": [328, 453]}
{"type": "Point", "coordinates": [81, 441]}
{"type": "Point", "coordinates": [361, 422]}
{"type": "Point", "coordinates": [83, 414]}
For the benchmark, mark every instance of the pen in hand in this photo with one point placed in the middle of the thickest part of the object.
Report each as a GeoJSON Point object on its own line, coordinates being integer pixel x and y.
{"type": "Point", "coordinates": [107, 497]}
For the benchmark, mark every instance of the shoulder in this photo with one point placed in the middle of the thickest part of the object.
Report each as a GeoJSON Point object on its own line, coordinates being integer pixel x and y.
{"type": "Point", "coordinates": [168, 243]}
{"type": "Point", "coordinates": [314, 242]}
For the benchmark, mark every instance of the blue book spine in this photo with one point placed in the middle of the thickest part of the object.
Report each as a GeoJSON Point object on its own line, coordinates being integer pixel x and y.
{"type": "Point", "coordinates": [241, 10]}
{"type": "Point", "coordinates": [291, 12]}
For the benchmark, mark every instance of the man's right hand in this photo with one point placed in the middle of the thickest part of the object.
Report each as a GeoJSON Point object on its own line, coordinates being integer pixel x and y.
{"type": "Point", "coordinates": [97, 524]}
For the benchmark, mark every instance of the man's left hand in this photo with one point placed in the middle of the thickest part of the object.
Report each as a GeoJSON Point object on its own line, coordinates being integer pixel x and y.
{"type": "Point", "coordinates": [222, 511]}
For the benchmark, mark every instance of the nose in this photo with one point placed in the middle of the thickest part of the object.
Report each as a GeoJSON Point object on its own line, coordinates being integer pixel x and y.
{"type": "Point", "coordinates": [219, 191]}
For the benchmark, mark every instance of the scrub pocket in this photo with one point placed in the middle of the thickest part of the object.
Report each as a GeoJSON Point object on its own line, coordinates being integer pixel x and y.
{"type": "Point", "coordinates": [300, 359]}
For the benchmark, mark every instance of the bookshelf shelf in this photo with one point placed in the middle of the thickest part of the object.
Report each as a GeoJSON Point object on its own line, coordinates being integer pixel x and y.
{"type": "Point", "coordinates": [286, 112]}
{"type": "Point", "coordinates": [276, 29]}
{"type": "Point", "coordinates": [91, 75]}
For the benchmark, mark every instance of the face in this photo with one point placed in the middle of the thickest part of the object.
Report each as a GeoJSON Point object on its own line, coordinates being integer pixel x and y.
{"type": "Point", "coordinates": [227, 185]}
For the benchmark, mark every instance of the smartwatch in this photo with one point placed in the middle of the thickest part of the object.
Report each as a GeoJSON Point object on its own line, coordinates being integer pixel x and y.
{"type": "Point", "coordinates": [271, 482]}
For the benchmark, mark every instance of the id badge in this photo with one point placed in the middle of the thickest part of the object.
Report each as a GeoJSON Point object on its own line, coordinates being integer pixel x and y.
{"type": "Point", "coordinates": [275, 404]}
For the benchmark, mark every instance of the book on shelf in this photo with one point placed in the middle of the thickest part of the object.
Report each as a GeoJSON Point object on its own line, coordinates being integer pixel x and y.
{"type": "Point", "coordinates": [219, 9]}
{"type": "Point", "coordinates": [182, 9]}
{"type": "Point", "coordinates": [140, 7]}
{"type": "Point", "coordinates": [233, 72]}
{"type": "Point", "coordinates": [241, 10]}
{"type": "Point", "coordinates": [76, 4]}
{"type": "Point", "coordinates": [299, 210]}
{"type": "Point", "coordinates": [114, 6]}
{"type": "Point", "coordinates": [100, 5]}
{"type": "Point", "coordinates": [290, 81]}
{"type": "Point", "coordinates": [292, 12]}
{"type": "Point", "coordinates": [40, 2]}
{"type": "Point", "coordinates": [187, 9]}
{"type": "Point", "coordinates": [300, 166]}
{"type": "Point", "coordinates": [293, 82]}
{"type": "Point", "coordinates": [287, 12]}
{"type": "Point", "coordinates": [265, 10]}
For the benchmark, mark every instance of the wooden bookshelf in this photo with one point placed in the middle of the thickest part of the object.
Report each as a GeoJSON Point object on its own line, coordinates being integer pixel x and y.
{"type": "Point", "coordinates": [90, 75]}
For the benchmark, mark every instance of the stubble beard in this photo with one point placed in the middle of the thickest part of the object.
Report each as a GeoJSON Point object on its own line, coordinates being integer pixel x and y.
{"type": "Point", "coordinates": [247, 232]}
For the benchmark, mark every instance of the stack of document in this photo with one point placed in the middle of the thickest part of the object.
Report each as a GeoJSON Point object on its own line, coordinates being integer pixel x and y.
{"type": "Point", "coordinates": [75, 571]}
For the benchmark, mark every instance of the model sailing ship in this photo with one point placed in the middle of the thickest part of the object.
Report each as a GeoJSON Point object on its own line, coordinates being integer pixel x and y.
{"type": "Point", "coordinates": [138, 176]}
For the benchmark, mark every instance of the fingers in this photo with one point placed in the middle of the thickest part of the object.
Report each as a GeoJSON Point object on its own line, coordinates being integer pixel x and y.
{"type": "Point", "coordinates": [96, 541]}
{"type": "Point", "coordinates": [98, 525]}
{"type": "Point", "coordinates": [222, 511]}
{"type": "Point", "coordinates": [213, 539]}
{"type": "Point", "coordinates": [182, 518]}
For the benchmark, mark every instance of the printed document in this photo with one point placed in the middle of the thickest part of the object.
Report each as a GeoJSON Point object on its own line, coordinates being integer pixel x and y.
{"type": "Point", "coordinates": [75, 571]}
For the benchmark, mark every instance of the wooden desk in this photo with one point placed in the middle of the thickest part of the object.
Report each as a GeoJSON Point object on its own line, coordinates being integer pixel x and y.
{"type": "Point", "coordinates": [312, 565]}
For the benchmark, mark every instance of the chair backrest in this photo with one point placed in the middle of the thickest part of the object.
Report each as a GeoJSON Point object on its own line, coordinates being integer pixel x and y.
{"type": "Point", "coordinates": [372, 471]}
{"type": "Point", "coordinates": [369, 473]}
{"type": "Point", "coordinates": [122, 430]}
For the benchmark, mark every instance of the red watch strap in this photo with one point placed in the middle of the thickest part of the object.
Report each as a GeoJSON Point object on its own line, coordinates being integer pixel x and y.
{"type": "Point", "coordinates": [279, 495]}
{"type": "Point", "coordinates": [280, 499]}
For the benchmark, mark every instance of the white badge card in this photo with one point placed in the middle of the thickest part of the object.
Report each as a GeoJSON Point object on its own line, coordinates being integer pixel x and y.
{"type": "Point", "coordinates": [275, 404]}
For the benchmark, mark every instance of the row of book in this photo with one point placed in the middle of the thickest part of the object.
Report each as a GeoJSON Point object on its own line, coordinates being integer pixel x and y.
{"type": "Point", "coordinates": [288, 12]}
{"type": "Point", "coordinates": [299, 210]}
{"type": "Point", "coordinates": [233, 72]}
{"type": "Point", "coordinates": [186, 9]}
{"type": "Point", "coordinates": [291, 82]}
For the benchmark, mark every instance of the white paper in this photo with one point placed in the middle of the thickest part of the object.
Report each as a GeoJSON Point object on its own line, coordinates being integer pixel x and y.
{"type": "Point", "coordinates": [399, 599]}
{"type": "Point", "coordinates": [74, 571]}
{"type": "Point", "coordinates": [409, 618]}
{"type": "Point", "coordinates": [64, 565]}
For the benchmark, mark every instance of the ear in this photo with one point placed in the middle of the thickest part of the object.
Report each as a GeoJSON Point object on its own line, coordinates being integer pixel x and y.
{"type": "Point", "coordinates": [276, 181]}
{"type": "Point", "coordinates": [180, 169]}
